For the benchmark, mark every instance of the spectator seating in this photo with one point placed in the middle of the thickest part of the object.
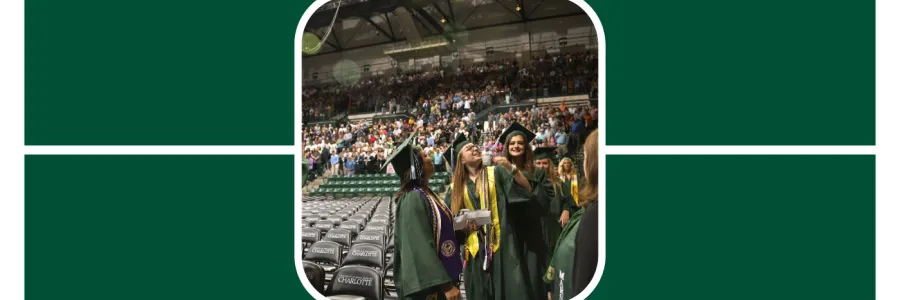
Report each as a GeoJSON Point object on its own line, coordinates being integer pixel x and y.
{"type": "Point", "coordinates": [316, 275]}
{"type": "Point", "coordinates": [358, 244]}
{"type": "Point", "coordinates": [372, 184]}
{"type": "Point", "coordinates": [358, 281]}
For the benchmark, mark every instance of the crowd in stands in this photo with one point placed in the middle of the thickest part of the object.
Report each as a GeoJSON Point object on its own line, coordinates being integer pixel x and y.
{"type": "Point", "coordinates": [565, 74]}
{"type": "Point", "coordinates": [445, 102]}
{"type": "Point", "coordinates": [487, 82]}
{"type": "Point", "coordinates": [362, 147]}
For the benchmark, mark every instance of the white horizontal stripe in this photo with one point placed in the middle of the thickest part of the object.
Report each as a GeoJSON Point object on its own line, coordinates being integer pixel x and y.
{"type": "Point", "coordinates": [737, 150]}
{"type": "Point", "coordinates": [163, 150]}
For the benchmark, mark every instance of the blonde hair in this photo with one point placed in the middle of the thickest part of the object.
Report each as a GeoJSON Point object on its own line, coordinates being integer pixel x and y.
{"type": "Point", "coordinates": [459, 181]}
{"type": "Point", "coordinates": [588, 193]}
{"type": "Point", "coordinates": [572, 169]}
{"type": "Point", "coordinates": [554, 179]}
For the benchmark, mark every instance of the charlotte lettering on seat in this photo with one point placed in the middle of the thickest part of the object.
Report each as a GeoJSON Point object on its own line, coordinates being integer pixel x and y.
{"type": "Point", "coordinates": [323, 250]}
{"type": "Point", "coordinates": [364, 253]}
{"type": "Point", "coordinates": [337, 235]}
{"type": "Point", "coordinates": [355, 280]}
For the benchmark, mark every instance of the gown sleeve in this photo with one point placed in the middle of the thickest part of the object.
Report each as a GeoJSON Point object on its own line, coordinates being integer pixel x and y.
{"type": "Point", "coordinates": [542, 188]}
{"type": "Point", "coordinates": [420, 269]}
{"type": "Point", "coordinates": [506, 185]}
{"type": "Point", "coordinates": [568, 202]}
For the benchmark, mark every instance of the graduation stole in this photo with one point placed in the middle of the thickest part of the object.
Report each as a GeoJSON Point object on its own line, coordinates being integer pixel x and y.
{"type": "Point", "coordinates": [444, 237]}
{"type": "Point", "coordinates": [493, 233]}
{"type": "Point", "coordinates": [574, 188]}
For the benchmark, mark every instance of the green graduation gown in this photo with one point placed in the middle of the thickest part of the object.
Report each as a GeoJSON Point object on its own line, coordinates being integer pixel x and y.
{"type": "Point", "coordinates": [539, 244]}
{"type": "Point", "coordinates": [559, 274]}
{"type": "Point", "coordinates": [569, 204]}
{"type": "Point", "coordinates": [560, 201]}
{"type": "Point", "coordinates": [418, 271]}
{"type": "Point", "coordinates": [510, 266]}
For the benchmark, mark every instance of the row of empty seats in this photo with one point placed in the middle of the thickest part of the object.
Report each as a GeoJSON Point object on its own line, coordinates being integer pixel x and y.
{"type": "Point", "coordinates": [347, 246]}
{"type": "Point", "coordinates": [373, 184]}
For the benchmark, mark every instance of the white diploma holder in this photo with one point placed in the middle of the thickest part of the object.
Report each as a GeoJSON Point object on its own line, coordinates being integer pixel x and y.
{"type": "Point", "coordinates": [481, 217]}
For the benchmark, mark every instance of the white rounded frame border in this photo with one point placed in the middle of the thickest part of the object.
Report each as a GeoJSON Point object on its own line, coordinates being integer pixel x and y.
{"type": "Point", "coordinates": [601, 130]}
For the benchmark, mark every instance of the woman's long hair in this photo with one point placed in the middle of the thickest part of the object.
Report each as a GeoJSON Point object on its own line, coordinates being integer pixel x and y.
{"type": "Point", "coordinates": [592, 171]}
{"type": "Point", "coordinates": [527, 163]}
{"type": "Point", "coordinates": [572, 169]}
{"type": "Point", "coordinates": [554, 179]}
{"type": "Point", "coordinates": [459, 181]}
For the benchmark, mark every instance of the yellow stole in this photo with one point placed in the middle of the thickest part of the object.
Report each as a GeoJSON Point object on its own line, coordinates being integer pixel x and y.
{"type": "Point", "coordinates": [472, 243]}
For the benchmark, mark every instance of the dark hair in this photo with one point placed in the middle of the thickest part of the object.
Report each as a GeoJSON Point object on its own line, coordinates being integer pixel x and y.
{"type": "Point", "coordinates": [527, 162]}
{"type": "Point", "coordinates": [407, 184]}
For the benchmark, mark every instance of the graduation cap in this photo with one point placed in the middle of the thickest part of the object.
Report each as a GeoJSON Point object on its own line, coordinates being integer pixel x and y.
{"type": "Point", "coordinates": [515, 129]}
{"type": "Point", "coordinates": [544, 152]}
{"type": "Point", "coordinates": [455, 148]}
{"type": "Point", "coordinates": [403, 157]}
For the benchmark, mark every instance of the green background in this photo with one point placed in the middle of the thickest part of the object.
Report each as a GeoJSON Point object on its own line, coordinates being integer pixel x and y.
{"type": "Point", "coordinates": [678, 227]}
{"type": "Point", "coordinates": [739, 72]}
{"type": "Point", "coordinates": [160, 227]}
{"type": "Point", "coordinates": [221, 72]}
{"type": "Point", "coordinates": [739, 227]}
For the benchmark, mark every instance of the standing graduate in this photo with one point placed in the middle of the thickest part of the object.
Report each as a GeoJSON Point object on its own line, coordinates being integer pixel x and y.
{"type": "Point", "coordinates": [561, 209]}
{"type": "Point", "coordinates": [426, 259]}
{"type": "Point", "coordinates": [534, 247]}
{"type": "Point", "coordinates": [493, 258]}
{"type": "Point", "coordinates": [569, 177]}
{"type": "Point", "coordinates": [561, 205]}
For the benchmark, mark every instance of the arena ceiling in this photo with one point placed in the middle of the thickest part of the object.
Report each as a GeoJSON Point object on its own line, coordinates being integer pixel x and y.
{"type": "Point", "coordinates": [366, 23]}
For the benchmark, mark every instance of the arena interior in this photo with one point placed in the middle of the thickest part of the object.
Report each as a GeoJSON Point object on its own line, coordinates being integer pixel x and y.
{"type": "Point", "coordinates": [376, 70]}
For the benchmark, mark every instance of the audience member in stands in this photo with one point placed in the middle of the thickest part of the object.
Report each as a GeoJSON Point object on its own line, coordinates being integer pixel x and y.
{"type": "Point", "coordinates": [585, 258]}
{"type": "Point", "coordinates": [426, 257]}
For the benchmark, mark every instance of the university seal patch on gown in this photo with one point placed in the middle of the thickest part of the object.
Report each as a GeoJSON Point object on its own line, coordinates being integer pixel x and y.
{"type": "Point", "coordinates": [445, 237]}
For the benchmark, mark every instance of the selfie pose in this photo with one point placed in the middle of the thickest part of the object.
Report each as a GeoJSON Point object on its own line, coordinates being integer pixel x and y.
{"type": "Point", "coordinates": [493, 252]}
{"type": "Point", "coordinates": [532, 220]}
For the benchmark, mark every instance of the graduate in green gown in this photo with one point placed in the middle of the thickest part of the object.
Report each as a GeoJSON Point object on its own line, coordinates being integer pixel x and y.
{"type": "Point", "coordinates": [492, 253]}
{"type": "Point", "coordinates": [562, 206]}
{"type": "Point", "coordinates": [427, 261]}
{"type": "Point", "coordinates": [560, 271]}
{"type": "Point", "coordinates": [517, 149]}
{"type": "Point", "coordinates": [568, 175]}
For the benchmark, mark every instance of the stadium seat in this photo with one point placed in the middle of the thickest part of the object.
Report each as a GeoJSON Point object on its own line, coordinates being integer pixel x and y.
{"type": "Point", "coordinates": [378, 227]}
{"type": "Point", "coordinates": [340, 236]}
{"type": "Point", "coordinates": [353, 226]}
{"type": "Point", "coordinates": [325, 253]}
{"type": "Point", "coordinates": [324, 225]}
{"type": "Point", "coordinates": [316, 275]}
{"type": "Point", "coordinates": [371, 237]}
{"type": "Point", "coordinates": [311, 235]}
{"type": "Point", "coordinates": [356, 281]}
{"type": "Point", "coordinates": [365, 255]}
